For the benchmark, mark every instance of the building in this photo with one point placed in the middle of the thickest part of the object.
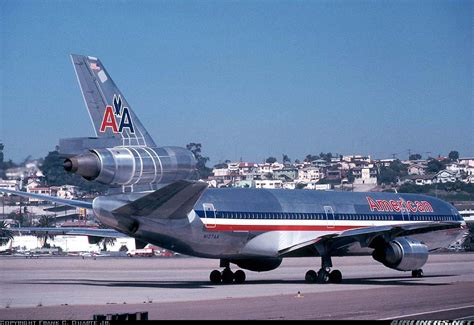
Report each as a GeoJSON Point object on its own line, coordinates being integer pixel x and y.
{"type": "Point", "coordinates": [365, 176]}
{"type": "Point", "coordinates": [268, 183]}
{"type": "Point", "coordinates": [66, 191]}
{"type": "Point", "coordinates": [39, 190]}
{"type": "Point", "coordinates": [416, 169]}
{"type": "Point", "coordinates": [419, 179]}
{"type": "Point", "coordinates": [467, 161]}
{"type": "Point", "coordinates": [309, 174]}
{"type": "Point", "coordinates": [445, 176]}
{"type": "Point", "coordinates": [286, 174]}
{"type": "Point", "coordinates": [10, 184]}
{"type": "Point", "coordinates": [318, 187]}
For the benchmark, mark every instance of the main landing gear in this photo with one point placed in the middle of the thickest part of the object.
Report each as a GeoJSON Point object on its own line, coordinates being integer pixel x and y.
{"type": "Point", "coordinates": [227, 276]}
{"type": "Point", "coordinates": [417, 273]}
{"type": "Point", "coordinates": [324, 275]}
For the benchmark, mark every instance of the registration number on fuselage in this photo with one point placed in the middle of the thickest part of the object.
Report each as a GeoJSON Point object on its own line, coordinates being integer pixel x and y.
{"type": "Point", "coordinates": [211, 236]}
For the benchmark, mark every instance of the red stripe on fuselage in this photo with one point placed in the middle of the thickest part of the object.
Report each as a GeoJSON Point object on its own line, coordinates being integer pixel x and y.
{"type": "Point", "coordinates": [278, 227]}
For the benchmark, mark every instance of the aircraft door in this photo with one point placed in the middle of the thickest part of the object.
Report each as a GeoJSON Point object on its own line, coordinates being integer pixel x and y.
{"type": "Point", "coordinates": [209, 215]}
{"type": "Point", "coordinates": [331, 223]}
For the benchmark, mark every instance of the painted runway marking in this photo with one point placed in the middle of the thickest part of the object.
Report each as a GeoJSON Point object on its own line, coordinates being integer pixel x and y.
{"type": "Point", "coordinates": [428, 312]}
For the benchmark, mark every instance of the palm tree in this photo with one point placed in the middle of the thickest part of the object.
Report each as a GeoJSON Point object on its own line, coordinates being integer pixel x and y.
{"type": "Point", "coordinates": [106, 240]}
{"type": "Point", "coordinates": [5, 234]}
{"type": "Point", "coordinates": [45, 222]}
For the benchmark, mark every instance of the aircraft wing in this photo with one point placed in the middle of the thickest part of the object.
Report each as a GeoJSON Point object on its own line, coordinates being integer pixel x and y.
{"type": "Point", "coordinates": [74, 203]}
{"type": "Point", "coordinates": [365, 236]}
{"type": "Point", "coordinates": [84, 231]}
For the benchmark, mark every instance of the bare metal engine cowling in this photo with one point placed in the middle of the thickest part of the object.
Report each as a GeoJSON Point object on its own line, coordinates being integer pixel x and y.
{"type": "Point", "coordinates": [133, 165]}
{"type": "Point", "coordinates": [403, 254]}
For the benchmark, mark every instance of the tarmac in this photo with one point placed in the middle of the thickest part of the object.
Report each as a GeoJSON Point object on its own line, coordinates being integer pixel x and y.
{"type": "Point", "coordinates": [73, 288]}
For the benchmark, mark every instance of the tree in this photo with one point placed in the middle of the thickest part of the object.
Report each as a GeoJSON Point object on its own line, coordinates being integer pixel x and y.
{"type": "Point", "coordinates": [270, 160]}
{"type": "Point", "coordinates": [310, 158]}
{"type": "Point", "coordinates": [268, 175]}
{"type": "Point", "coordinates": [202, 170]}
{"type": "Point", "coordinates": [286, 159]}
{"type": "Point", "coordinates": [391, 174]}
{"type": "Point", "coordinates": [5, 234]}
{"type": "Point", "coordinates": [4, 165]}
{"type": "Point", "coordinates": [434, 166]}
{"type": "Point", "coordinates": [453, 155]}
{"type": "Point", "coordinates": [415, 156]}
{"type": "Point", "coordinates": [350, 176]}
{"type": "Point", "coordinates": [300, 186]}
{"type": "Point", "coordinates": [107, 241]}
{"type": "Point", "coordinates": [45, 222]}
{"type": "Point", "coordinates": [326, 156]}
{"type": "Point", "coordinates": [55, 175]}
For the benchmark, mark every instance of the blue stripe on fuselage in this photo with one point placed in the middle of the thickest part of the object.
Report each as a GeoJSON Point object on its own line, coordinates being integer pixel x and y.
{"type": "Point", "coordinates": [318, 216]}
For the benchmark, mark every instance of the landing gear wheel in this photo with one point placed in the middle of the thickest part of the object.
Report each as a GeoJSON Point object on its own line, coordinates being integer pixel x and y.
{"type": "Point", "coordinates": [335, 276]}
{"type": "Point", "coordinates": [417, 273]}
{"type": "Point", "coordinates": [215, 277]}
{"type": "Point", "coordinates": [311, 276]}
{"type": "Point", "coordinates": [227, 276]}
{"type": "Point", "coordinates": [323, 276]}
{"type": "Point", "coordinates": [239, 276]}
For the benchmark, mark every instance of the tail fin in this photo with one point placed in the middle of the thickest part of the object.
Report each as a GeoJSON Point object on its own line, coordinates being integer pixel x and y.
{"type": "Point", "coordinates": [109, 111]}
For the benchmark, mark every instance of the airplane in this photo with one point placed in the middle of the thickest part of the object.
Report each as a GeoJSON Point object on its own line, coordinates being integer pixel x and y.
{"type": "Point", "coordinates": [154, 198]}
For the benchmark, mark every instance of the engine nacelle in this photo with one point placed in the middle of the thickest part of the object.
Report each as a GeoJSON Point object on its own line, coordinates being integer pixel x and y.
{"type": "Point", "coordinates": [403, 254]}
{"type": "Point", "coordinates": [133, 165]}
{"type": "Point", "coordinates": [258, 265]}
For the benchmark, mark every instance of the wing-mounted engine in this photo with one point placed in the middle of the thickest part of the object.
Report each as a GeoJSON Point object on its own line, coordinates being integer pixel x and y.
{"type": "Point", "coordinates": [128, 166]}
{"type": "Point", "coordinates": [403, 254]}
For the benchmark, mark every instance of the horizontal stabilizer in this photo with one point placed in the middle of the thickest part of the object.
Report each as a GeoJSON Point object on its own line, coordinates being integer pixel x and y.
{"type": "Point", "coordinates": [73, 203]}
{"type": "Point", "coordinates": [173, 201]}
{"type": "Point", "coordinates": [70, 231]}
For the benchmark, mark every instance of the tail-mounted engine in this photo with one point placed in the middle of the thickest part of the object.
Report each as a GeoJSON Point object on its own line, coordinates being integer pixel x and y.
{"type": "Point", "coordinates": [126, 166]}
{"type": "Point", "coordinates": [403, 254]}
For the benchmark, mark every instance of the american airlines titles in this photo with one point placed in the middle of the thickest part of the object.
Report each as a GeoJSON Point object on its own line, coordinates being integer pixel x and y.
{"type": "Point", "coordinates": [399, 206]}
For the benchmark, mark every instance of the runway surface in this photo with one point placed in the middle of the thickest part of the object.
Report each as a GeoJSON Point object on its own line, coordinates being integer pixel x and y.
{"type": "Point", "coordinates": [178, 288]}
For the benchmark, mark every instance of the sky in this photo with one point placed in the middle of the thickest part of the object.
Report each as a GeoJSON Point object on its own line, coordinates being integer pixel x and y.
{"type": "Point", "coordinates": [247, 79]}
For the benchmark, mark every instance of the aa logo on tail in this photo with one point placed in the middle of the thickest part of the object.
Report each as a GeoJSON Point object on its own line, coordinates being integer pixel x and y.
{"type": "Point", "coordinates": [117, 117]}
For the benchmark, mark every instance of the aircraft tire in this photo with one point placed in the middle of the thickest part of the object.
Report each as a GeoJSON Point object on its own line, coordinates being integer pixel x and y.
{"type": "Point", "coordinates": [227, 276]}
{"type": "Point", "coordinates": [311, 276]}
{"type": "Point", "coordinates": [215, 277]}
{"type": "Point", "coordinates": [417, 273]}
{"type": "Point", "coordinates": [239, 276]}
{"type": "Point", "coordinates": [323, 276]}
{"type": "Point", "coordinates": [335, 276]}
